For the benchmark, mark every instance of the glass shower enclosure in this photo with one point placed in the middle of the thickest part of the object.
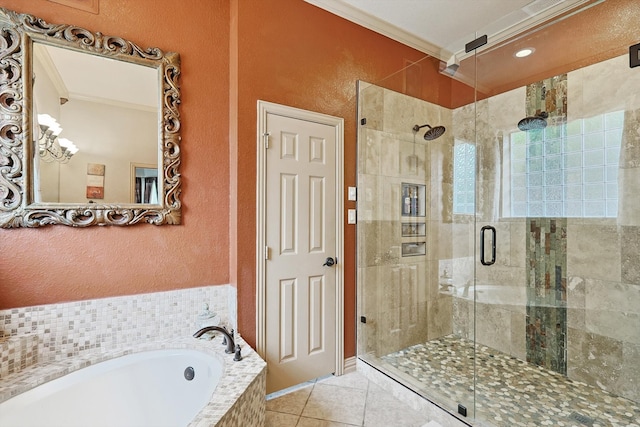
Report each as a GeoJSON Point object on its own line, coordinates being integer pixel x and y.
{"type": "Point", "coordinates": [498, 232]}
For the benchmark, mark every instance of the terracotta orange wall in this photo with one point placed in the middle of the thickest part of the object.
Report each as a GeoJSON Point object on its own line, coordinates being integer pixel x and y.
{"type": "Point", "coordinates": [233, 52]}
{"type": "Point", "coordinates": [293, 53]}
{"type": "Point", "coordinates": [60, 263]}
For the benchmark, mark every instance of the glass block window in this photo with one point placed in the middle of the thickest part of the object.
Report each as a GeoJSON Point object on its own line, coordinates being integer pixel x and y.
{"type": "Point", "coordinates": [464, 178]}
{"type": "Point", "coordinates": [570, 170]}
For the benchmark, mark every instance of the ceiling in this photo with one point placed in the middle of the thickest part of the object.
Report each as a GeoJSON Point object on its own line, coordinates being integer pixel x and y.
{"type": "Point", "coordinates": [565, 35]}
{"type": "Point", "coordinates": [80, 76]}
{"type": "Point", "coordinates": [441, 28]}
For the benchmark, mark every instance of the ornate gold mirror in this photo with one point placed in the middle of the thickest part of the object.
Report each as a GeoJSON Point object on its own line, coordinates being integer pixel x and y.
{"type": "Point", "coordinates": [78, 111]}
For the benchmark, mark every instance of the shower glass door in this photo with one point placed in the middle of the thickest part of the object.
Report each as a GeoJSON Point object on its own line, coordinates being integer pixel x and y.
{"type": "Point", "coordinates": [557, 137]}
{"type": "Point", "coordinates": [409, 269]}
{"type": "Point", "coordinates": [498, 264]}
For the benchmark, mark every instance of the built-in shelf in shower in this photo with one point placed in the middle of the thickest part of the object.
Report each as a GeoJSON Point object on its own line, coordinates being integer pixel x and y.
{"type": "Point", "coordinates": [414, 229]}
{"type": "Point", "coordinates": [414, 248]}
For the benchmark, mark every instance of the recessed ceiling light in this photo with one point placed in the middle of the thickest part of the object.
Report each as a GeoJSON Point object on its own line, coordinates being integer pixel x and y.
{"type": "Point", "coordinates": [525, 52]}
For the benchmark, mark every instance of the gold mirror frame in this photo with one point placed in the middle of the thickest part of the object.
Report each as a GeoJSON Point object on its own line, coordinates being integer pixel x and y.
{"type": "Point", "coordinates": [17, 209]}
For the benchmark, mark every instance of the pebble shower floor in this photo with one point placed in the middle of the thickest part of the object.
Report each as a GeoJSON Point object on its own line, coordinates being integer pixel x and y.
{"type": "Point", "coordinates": [510, 392]}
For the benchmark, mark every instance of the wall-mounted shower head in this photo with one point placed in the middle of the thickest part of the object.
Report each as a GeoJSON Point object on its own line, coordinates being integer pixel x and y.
{"type": "Point", "coordinates": [432, 133]}
{"type": "Point", "coordinates": [534, 122]}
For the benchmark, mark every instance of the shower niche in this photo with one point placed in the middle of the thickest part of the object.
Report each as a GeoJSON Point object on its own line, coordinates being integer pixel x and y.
{"type": "Point", "coordinates": [413, 205]}
{"type": "Point", "coordinates": [414, 249]}
{"type": "Point", "coordinates": [414, 229]}
{"type": "Point", "coordinates": [413, 200]}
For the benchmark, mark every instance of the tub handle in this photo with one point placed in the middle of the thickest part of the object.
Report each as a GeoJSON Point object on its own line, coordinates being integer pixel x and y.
{"type": "Point", "coordinates": [493, 245]}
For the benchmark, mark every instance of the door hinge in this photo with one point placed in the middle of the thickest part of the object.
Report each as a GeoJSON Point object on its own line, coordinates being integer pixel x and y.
{"type": "Point", "coordinates": [267, 253]}
{"type": "Point", "coordinates": [266, 139]}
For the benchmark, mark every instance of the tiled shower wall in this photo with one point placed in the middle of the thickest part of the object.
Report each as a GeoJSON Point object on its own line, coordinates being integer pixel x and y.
{"type": "Point", "coordinates": [498, 316]}
{"type": "Point", "coordinates": [601, 344]}
{"type": "Point", "coordinates": [54, 332]}
{"type": "Point", "coordinates": [399, 294]}
{"type": "Point", "coordinates": [596, 319]}
{"type": "Point", "coordinates": [603, 269]}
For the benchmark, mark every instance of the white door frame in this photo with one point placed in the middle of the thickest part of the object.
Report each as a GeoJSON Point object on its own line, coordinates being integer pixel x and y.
{"type": "Point", "coordinates": [265, 108]}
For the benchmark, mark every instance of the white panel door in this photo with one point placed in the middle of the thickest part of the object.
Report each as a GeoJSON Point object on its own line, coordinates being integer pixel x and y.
{"type": "Point", "coordinates": [300, 235]}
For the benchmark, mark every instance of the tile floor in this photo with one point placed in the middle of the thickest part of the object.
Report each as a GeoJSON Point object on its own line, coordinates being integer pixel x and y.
{"type": "Point", "coordinates": [510, 392]}
{"type": "Point", "coordinates": [347, 400]}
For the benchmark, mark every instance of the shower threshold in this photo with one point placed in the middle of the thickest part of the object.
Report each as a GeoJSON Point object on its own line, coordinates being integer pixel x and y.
{"type": "Point", "coordinates": [509, 392]}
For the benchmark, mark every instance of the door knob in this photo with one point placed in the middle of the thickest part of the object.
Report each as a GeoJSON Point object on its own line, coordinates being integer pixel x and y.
{"type": "Point", "coordinates": [330, 262]}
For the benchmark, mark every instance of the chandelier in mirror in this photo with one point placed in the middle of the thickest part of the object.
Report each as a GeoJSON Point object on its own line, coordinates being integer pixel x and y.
{"type": "Point", "coordinates": [50, 146]}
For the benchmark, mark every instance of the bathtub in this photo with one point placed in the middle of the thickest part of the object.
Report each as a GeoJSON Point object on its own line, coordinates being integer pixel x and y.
{"type": "Point", "coordinates": [153, 388]}
{"type": "Point", "coordinates": [146, 385]}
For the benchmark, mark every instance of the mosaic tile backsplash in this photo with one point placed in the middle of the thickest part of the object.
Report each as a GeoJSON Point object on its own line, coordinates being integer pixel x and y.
{"type": "Point", "coordinates": [39, 344]}
{"type": "Point", "coordinates": [54, 332]}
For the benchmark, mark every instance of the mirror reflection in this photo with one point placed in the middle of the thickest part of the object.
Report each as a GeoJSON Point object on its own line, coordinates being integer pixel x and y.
{"type": "Point", "coordinates": [144, 181]}
{"type": "Point", "coordinates": [92, 110]}
{"type": "Point", "coordinates": [79, 109]}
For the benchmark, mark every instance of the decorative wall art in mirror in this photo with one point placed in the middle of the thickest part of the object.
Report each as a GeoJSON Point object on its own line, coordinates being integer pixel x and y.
{"type": "Point", "coordinates": [78, 110]}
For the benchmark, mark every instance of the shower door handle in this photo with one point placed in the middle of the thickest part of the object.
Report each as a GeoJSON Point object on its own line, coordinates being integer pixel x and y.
{"type": "Point", "coordinates": [493, 245]}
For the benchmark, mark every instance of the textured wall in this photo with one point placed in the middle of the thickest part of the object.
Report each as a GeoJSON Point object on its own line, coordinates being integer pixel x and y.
{"type": "Point", "coordinates": [290, 52]}
{"type": "Point", "coordinates": [56, 264]}
{"type": "Point", "coordinates": [233, 53]}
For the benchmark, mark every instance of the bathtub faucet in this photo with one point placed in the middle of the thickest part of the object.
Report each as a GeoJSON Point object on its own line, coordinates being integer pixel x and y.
{"type": "Point", "coordinates": [231, 347]}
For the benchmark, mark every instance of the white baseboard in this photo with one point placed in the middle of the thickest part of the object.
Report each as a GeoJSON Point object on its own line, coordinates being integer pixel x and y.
{"type": "Point", "coordinates": [349, 365]}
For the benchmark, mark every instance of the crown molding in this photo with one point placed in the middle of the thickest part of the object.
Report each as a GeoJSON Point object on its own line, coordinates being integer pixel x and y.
{"type": "Point", "coordinates": [380, 26]}
{"type": "Point", "coordinates": [50, 69]}
{"type": "Point", "coordinates": [547, 11]}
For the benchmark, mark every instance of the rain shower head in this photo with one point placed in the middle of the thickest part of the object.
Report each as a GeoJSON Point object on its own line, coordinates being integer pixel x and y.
{"type": "Point", "coordinates": [432, 133]}
{"type": "Point", "coordinates": [533, 122]}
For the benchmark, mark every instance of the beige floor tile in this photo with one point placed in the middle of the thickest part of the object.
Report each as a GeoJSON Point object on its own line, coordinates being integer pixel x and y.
{"type": "Point", "coordinates": [279, 419]}
{"type": "Point", "coordinates": [345, 401]}
{"type": "Point", "coordinates": [290, 403]}
{"type": "Point", "coordinates": [312, 422]}
{"type": "Point", "coordinates": [340, 404]}
{"type": "Point", "coordinates": [352, 380]}
{"type": "Point", "coordinates": [382, 410]}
